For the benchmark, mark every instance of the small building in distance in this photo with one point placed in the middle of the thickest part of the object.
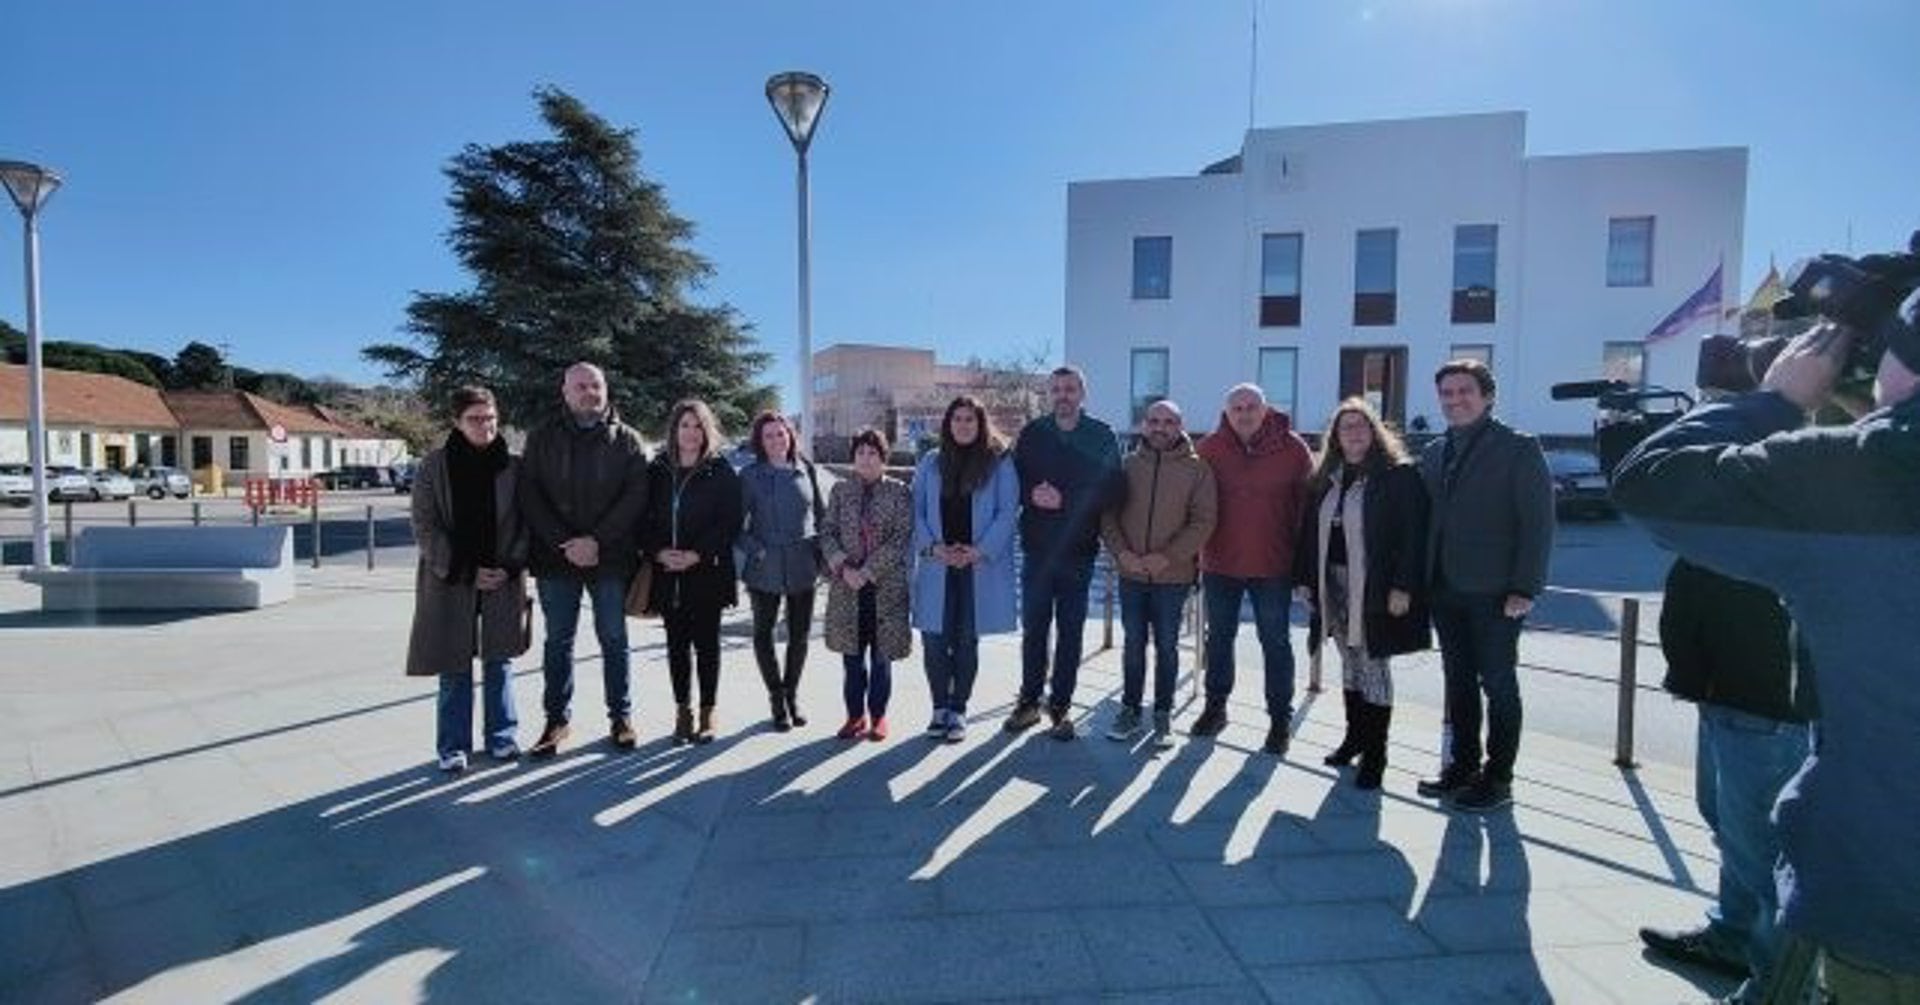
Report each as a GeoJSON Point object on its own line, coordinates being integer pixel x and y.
{"type": "Point", "coordinates": [904, 392]}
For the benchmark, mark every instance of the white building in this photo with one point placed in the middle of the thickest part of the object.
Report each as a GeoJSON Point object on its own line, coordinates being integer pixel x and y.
{"type": "Point", "coordinates": [1331, 260]}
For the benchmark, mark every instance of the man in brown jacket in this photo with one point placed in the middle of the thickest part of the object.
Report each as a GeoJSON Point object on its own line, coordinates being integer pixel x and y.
{"type": "Point", "coordinates": [1261, 466]}
{"type": "Point", "coordinates": [1155, 535]}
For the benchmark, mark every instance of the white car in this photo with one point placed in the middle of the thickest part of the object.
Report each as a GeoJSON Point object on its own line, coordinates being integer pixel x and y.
{"type": "Point", "coordinates": [16, 485]}
{"type": "Point", "coordinates": [161, 482]}
{"type": "Point", "coordinates": [110, 484]}
{"type": "Point", "coordinates": [67, 483]}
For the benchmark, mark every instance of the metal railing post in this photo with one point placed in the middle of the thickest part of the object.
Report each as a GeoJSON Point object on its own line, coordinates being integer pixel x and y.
{"type": "Point", "coordinates": [196, 512]}
{"type": "Point", "coordinates": [369, 537]}
{"type": "Point", "coordinates": [66, 519]}
{"type": "Point", "coordinates": [315, 510]}
{"type": "Point", "coordinates": [256, 515]}
{"type": "Point", "coordinates": [1629, 680]}
{"type": "Point", "coordinates": [133, 513]}
{"type": "Point", "coordinates": [1106, 627]}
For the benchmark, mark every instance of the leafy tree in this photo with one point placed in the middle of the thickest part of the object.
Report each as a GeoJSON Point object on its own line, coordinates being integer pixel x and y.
{"type": "Point", "coordinates": [575, 255]}
{"type": "Point", "coordinates": [84, 357]}
{"type": "Point", "coordinates": [199, 367]}
{"type": "Point", "coordinates": [277, 386]}
{"type": "Point", "coordinates": [160, 366]}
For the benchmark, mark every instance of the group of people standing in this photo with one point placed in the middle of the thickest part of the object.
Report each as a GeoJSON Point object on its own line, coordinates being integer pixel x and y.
{"type": "Point", "coordinates": [1380, 546]}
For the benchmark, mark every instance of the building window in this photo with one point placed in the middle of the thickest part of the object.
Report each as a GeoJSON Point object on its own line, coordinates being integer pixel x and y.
{"type": "Point", "coordinates": [169, 452]}
{"type": "Point", "coordinates": [1482, 351]}
{"type": "Point", "coordinates": [1625, 362]}
{"type": "Point", "coordinates": [1280, 281]}
{"type": "Point", "coordinates": [1148, 382]}
{"type": "Point", "coordinates": [1280, 377]}
{"type": "Point", "coordinates": [825, 383]}
{"type": "Point", "coordinates": [86, 450]}
{"type": "Point", "coordinates": [306, 453]}
{"type": "Point", "coordinates": [326, 453]}
{"type": "Point", "coordinates": [1630, 251]}
{"type": "Point", "coordinates": [1476, 258]}
{"type": "Point", "coordinates": [1152, 268]}
{"type": "Point", "coordinates": [237, 459]}
{"type": "Point", "coordinates": [202, 452]}
{"type": "Point", "coordinates": [1376, 255]}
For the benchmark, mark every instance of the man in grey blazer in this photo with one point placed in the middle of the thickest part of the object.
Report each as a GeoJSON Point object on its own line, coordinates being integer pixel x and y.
{"type": "Point", "coordinates": [1487, 548]}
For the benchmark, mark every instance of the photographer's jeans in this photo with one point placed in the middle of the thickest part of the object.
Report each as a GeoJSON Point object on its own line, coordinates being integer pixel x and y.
{"type": "Point", "coordinates": [1743, 762]}
{"type": "Point", "coordinates": [455, 726]}
{"type": "Point", "coordinates": [1272, 605]}
{"type": "Point", "coordinates": [1480, 653]}
{"type": "Point", "coordinates": [560, 609]}
{"type": "Point", "coordinates": [1150, 609]}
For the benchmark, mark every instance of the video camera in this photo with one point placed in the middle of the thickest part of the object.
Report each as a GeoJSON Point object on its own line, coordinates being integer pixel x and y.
{"type": "Point", "coordinates": [1863, 293]}
{"type": "Point", "coordinates": [1626, 416]}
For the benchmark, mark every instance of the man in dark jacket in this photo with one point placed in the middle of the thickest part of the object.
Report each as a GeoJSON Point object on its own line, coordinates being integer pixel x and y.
{"type": "Point", "coordinates": [1729, 647]}
{"type": "Point", "coordinates": [1829, 518]}
{"type": "Point", "coordinates": [1487, 549]}
{"type": "Point", "coordinates": [1069, 464]}
{"type": "Point", "coordinates": [584, 488]}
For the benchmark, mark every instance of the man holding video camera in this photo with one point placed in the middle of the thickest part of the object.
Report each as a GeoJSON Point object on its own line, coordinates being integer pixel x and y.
{"type": "Point", "coordinates": [1829, 518]}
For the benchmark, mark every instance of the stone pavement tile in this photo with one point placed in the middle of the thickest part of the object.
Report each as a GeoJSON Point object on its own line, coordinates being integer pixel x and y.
{"type": "Point", "coordinates": [130, 943]}
{"type": "Point", "coordinates": [812, 891]}
{"type": "Point", "coordinates": [554, 976]}
{"type": "Point", "coordinates": [1243, 991]}
{"type": "Point", "coordinates": [70, 985]}
{"type": "Point", "coordinates": [753, 837]}
{"type": "Point", "coordinates": [39, 928]}
{"type": "Point", "coordinates": [131, 878]}
{"type": "Point", "coordinates": [1624, 974]}
{"type": "Point", "coordinates": [1090, 876]}
{"type": "Point", "coordinates": [729, 965]}
{"type": "Point", "coordinates": [915, 830]}
{"type": "Point", "coordinates": [948, 959]}
{"type": "Point", "coordinates": [1521, 978]}
{"type": "Point", "coordinates": [1138, 949]}
{"type": "Point", "coordinates": [1602, 864]}
{"type": "Point", "coordinates": [1470, 923]}
{"type": "Point", "coordinates": [1380, 875]}
{"type": "Point", "coordinates": [1320, 985]}
{"type": "Point", "coordinates": [1629, 904]}
{"type": "Point", "coordinates": [1319, 933]}
{"type": "Point", "coordinates": [1278, 836]}
{"type": "Point", "coordinates": [1242, 884]}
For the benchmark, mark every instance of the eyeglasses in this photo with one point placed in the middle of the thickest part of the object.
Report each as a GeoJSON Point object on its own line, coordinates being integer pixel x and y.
{"type": "Point", "coordinates": [488, 419]}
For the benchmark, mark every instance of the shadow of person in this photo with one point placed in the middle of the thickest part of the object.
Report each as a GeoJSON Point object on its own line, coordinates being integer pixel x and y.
{"type": "Point", "coordinates": [1479, 916]}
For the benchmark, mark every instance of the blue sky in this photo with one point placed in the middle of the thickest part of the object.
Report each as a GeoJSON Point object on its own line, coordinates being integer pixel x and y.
{"type": "Point", "coordinates": [269, 175]}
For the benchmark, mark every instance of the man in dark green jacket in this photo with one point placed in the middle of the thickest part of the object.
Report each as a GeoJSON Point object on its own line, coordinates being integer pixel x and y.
{"type": "Point", "coordinates": [583, 490]}
{"type": "Point", "coordinates": [1487, 546]}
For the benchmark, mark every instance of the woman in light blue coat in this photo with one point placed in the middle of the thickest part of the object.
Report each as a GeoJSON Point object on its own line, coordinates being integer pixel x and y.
{"type": "Point", "coordinates": [966, 501]}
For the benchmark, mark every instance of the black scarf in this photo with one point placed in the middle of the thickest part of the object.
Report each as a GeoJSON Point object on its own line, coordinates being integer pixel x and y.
{"type": "Point", "coordinates": [470, 475]}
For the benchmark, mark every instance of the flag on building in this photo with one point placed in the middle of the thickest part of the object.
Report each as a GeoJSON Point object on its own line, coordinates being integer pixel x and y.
{"type": "Point", "coordinates": [1704, 305]}
{"type": "Point", "coordinates": [1770, 291]}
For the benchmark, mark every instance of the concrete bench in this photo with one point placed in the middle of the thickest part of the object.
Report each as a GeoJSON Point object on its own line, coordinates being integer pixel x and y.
{"type": "Point", "coordinates": [171, 568]}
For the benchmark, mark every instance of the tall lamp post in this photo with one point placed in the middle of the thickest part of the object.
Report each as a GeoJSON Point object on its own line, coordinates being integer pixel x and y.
{"type": "Point", "coordinates": [31, 186]}
{"type": "Point", "coordinates": [798, 99]}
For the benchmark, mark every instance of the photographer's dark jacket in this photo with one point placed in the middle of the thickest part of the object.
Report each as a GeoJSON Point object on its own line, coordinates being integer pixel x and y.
{"type": "Point", "coordinates": [1829, 518]}
{"type": "Point", "coordinates": [1491, 527]}
{"type": "Point", "coordinates": [1730, 643]}
{"type": "Point", "coordinates": [583, 481]}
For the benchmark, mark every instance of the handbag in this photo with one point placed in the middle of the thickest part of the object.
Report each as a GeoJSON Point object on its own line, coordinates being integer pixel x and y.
{"type": "Point", "coordinates": [640, 593]}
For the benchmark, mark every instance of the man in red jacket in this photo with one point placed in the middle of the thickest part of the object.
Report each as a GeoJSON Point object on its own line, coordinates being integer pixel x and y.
{"type": "Point", "coordinates": [1260, 467]}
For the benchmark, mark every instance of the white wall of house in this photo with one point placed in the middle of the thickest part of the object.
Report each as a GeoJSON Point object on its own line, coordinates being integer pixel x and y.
{"type": "Point", "coordinates": [82, 446]}
{"type": "Point", "coordinates": [379, 453]}
{"type": "Point", "coordinates": [1422, 178]}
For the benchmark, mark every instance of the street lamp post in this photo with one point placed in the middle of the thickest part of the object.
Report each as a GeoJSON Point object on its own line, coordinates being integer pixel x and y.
{"type": "Point", "coordinates": [798, 99]}
{"type": "Point", "coordinates": [31, 186]}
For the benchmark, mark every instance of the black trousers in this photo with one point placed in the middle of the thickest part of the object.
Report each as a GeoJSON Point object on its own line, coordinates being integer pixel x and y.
{"type": "Point", "coordinates": [766, 611]}
{"type": "Point", "coordinates": [693, 632]}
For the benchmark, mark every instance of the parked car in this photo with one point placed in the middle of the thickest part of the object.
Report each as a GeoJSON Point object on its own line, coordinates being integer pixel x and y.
{"type": "Point", "coordinates": [1579, 485]}
{"type": "Point", "coordinates": [16, 485]}
{"type": "Point", "coordinates": [110, 484]}
{"type": "Point", "coordinates": [66, 483]}
{"type": "Point", "coordinates": [355, 476]}
{"type": "Point", "coordinates": [160, 482]}
{"type": "Point", "coordinates": [402, 475]}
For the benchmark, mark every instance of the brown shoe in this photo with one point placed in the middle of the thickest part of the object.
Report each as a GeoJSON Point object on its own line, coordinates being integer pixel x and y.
{"type": "Point", "coordinates": [550, 740]}
{"type": "Point", "coordinates": [683, 726]}
{"type": "Point", "coordinates": [622, 733]}
{"type": "Point", "coordinates": [705, 733]}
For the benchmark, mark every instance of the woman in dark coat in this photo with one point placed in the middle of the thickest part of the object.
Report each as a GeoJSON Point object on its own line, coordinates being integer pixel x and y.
{"type": "Point", "coordinates": [470, 591]}
{"type": "Point", "coordinates": [1360, 564]}
{"type": "Point", "coordinates": [693, 515]}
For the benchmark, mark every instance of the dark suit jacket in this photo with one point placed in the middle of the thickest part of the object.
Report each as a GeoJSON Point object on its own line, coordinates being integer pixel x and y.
{"type": "Point", "coordinates": [1492, 525]}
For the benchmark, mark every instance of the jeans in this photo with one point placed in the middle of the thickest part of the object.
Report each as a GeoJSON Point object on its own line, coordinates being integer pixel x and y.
{"type": "Point", "coordinates": [560, 609]}
{"type": "Point", "coordinates": [1480, 652]}
{"type": "Point", "coordinates": [693, 634]}
{"type": "Point", "coordinates": [1051, 591]}
{"type": "Point", "coordinates": [1743, 762]}
{"type": "Point", "coordinates": [1150, 608]}
{"type": "Point", "coordinates": [1272, 604]}
{"type": "Point", "coordinates": [766, 612]}
{"type": "Point", "coordinates": [455, 727]}
{"type": "Point", "coordinates": [868, 684]}
{"type": "Point", "coordinates": [952, 655]}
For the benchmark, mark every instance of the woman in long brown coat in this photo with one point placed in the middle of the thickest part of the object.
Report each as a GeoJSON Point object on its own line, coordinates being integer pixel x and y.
{"type": "Point", "coordinates": [470, 592]}
{"type": "Point", "coordinates": [867, 540]}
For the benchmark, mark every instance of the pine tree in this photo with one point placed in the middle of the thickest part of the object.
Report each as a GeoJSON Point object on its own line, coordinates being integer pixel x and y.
{"type": "Point", "coordinates": [576, 255]}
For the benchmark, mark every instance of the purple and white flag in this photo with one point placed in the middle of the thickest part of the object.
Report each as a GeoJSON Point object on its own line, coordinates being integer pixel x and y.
{"type": "Point", "coordinates": [1704, 305]}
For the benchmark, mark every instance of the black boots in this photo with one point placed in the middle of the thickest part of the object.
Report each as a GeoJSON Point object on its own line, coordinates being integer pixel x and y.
{"type": "Point", "coordinates": [1373, 742]}
{"type": "Point", "coordinates": [1349, 747]}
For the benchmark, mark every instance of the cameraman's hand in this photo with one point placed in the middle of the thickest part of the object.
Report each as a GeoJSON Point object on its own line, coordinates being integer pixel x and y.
{"type": "Point", "coordinates": [1808, 367]}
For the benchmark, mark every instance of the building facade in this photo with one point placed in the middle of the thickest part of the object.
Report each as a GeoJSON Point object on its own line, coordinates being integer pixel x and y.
{"type": "Point", "coordinates": [94, 420]}
{"type": "Point", "coordinates": [905, 391]}
{"type": "Point", "coordinates": [1335, 260]}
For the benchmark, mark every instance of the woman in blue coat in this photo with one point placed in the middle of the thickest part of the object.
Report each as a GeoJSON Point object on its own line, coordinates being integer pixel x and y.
{"type": "Point", "coordinates": [780, 540]}
{"type": "Point", "coordinates": [966, 503]}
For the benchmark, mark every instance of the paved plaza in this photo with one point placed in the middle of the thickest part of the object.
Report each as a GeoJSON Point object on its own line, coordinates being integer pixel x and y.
{"type": "Point", "coordinates": [243, 807]}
